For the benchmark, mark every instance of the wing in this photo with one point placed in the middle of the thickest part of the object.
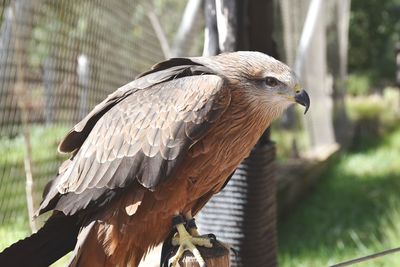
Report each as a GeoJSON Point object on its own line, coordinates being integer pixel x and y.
{"type": "Point", "coordinates": [145, 135]}
{"type": "Point", "coordinates": [161, 72]}
{"type": "Point", "coordinates": [140, 136]}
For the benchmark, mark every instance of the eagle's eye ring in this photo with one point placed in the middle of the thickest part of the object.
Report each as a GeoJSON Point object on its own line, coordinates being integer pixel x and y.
{"type": "Point", "coordinates": [271, 81]}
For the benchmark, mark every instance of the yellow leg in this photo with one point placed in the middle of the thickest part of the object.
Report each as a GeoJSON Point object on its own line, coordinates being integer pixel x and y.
{"type": "Point", "coordinates": [186, 241]}
{"type": "Point", "coordinates": [192, 230]}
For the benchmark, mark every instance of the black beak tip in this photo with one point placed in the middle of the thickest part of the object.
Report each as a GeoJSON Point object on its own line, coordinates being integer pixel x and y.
{"type": "Point", "coordinates": [303, 99]}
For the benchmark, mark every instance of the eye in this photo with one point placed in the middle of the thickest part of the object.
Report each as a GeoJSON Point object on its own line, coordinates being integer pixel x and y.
{"type": "Point", "coordinates": [271, 81]}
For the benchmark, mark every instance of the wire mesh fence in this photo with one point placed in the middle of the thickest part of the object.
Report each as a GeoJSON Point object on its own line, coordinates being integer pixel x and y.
{"type": "Point", "coordinates": [57, 60]}
{"type": "Point", "coordinates": [60, 58]}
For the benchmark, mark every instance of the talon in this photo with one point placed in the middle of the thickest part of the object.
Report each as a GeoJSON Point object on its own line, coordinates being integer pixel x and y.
{"type": "Point", "coordinates": [212, 237]}
{"type": "Point", "coordinates": [186, 241]}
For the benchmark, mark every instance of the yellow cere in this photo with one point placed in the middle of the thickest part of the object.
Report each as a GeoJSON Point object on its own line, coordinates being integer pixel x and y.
{"type": "Point", "coordinates": [297, 87]}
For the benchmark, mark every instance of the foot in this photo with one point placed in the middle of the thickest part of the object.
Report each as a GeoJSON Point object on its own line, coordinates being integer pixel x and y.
{"type": "Point", "coordinates": [187, 241]}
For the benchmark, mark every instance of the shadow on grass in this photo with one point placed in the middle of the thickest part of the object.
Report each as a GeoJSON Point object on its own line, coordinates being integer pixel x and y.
{"type": "Point", "coordinates": [367, 135]}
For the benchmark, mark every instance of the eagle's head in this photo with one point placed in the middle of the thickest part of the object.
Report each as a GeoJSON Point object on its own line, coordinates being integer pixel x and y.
{"type": "Point", "coordinates": [267, 80]}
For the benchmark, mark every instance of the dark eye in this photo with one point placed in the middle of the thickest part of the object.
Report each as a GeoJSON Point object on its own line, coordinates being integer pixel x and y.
{"type": "Point", "coordinates": [271, 81]}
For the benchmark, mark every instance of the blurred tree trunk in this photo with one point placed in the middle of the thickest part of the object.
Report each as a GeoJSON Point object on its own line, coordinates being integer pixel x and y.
{"type": "Point", "coordinates": [244, 213]}
{"type": "Point", "coordinates": [221, 33]}
{"type": "Point", "coordinates": [187, 25]}
{"type": "Point", "coordinates": [316, 31]}
{"type": "Point", "coordinates": [16, 24]}
{"type": "Point", "coordinates": [49, 78]}
{"type": "Point", "coordinates": [342, 126]}
{"type": "Point", "coordinates": [211, 40]}
{"type": "Point", "coordinates": [311, 65]}
{"type": "Point", "coordinates": [83, 71]}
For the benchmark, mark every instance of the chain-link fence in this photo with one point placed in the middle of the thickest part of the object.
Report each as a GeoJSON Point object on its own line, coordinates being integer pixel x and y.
{"type": "Point", "coordinates": [57, 60]}
{"type": "Point", "coordinates": [60, 58]}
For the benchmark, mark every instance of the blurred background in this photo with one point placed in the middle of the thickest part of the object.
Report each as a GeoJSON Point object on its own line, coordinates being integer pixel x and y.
{"type": "Point", "coordinates": [336, 170]}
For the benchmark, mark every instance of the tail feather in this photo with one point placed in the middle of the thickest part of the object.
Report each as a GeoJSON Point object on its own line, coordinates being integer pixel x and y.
{"type": "Point", "coordinates": [55, 239]}
{"type": "Point", "coordinates": [84, 237]}
{"type": "Point", "coordinates": [96, 247]}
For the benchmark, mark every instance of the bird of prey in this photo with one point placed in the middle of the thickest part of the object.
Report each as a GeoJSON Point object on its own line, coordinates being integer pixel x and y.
{"type": "Point", "coordinates": [152, 154]}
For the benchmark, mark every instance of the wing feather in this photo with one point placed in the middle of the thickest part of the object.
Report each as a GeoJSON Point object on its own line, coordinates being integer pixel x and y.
{"type": "Point", "coordinates": [142, 138]}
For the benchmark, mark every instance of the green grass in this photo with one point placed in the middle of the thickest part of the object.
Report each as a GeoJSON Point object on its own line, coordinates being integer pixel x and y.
{"type": "Point", "coordinates": [9, 233]}
{"type": "Point", "coordinates": [354, 211]}
{"type": "Point", "coordinates": [45, 160]}
{"type": "Point", "coordinates": [44, 141]}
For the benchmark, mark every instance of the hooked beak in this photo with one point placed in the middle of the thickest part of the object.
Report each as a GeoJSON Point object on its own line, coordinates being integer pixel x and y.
{"type": "Point", "coordinates": [303, 99]}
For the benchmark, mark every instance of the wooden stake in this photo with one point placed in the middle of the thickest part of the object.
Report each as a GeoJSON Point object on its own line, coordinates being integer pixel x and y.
{"type": "Point", "coordinates": [217, 256]}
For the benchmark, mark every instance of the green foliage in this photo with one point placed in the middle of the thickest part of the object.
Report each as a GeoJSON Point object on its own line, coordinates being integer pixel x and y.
{"type": "Point", "coordinates": [383, 107]}
{"type": "Point", "coordinates": [353, 212]}
{"type": "Point", "coordinates": [358, 84]}
{"type": "Point", "coordinates": [286, 140]}
{"type": "Point", "coordinates": [365, 107]}
{"type": "Point", "coordinates": [374, 30]}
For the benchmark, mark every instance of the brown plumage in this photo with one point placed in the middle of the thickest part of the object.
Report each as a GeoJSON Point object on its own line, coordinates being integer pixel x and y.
{"type": "Point", "coordinates": [163, 144]}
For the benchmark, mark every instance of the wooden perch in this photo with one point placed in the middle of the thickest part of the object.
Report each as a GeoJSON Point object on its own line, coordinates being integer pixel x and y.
{"type": "Point", "coordinates": [217, 256]}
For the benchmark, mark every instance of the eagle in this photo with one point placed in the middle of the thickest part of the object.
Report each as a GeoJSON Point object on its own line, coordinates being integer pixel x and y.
{"type": "Point", "coordinates": [147, 159]}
